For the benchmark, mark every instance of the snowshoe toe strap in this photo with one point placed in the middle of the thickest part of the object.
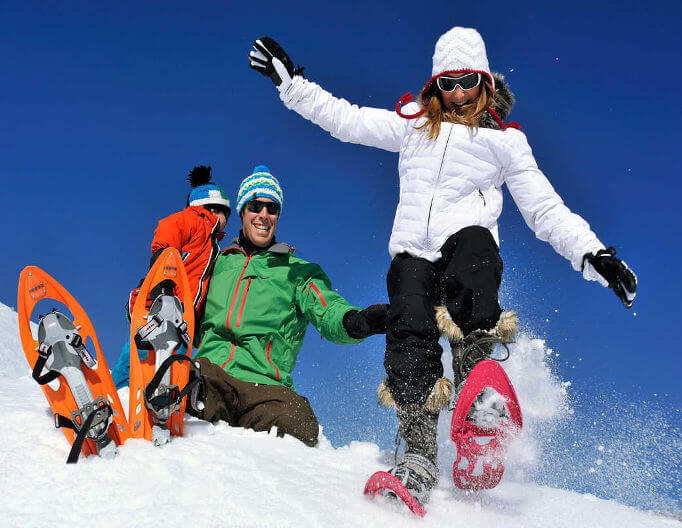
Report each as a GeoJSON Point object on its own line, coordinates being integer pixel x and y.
{"type": "Point", "coordinates": [90, 421]}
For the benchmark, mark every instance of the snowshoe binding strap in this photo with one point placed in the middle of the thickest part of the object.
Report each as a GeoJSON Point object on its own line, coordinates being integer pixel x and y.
{"type": "Point", "coordinates": [161, 399]}
{"type": "Point", "coordinates": [60, 346]}
{"type": "Point", "coordinates": [90, 421]}
{"type": "Point", "coordinates": [164, 324]}
{"type": "Point", "coordinates": [38, 368]}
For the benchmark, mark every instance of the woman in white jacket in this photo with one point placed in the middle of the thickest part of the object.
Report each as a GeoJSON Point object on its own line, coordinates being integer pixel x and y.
{"type": "Point", "coordinates": [455, 154]}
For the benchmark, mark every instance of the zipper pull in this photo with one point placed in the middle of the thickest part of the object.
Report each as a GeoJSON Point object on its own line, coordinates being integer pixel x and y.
{"type": "Point", "coordinates": [482, 197]}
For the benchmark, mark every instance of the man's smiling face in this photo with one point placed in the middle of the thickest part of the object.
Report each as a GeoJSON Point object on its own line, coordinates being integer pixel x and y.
{"type": "Point", "coordinates": [259, 227]}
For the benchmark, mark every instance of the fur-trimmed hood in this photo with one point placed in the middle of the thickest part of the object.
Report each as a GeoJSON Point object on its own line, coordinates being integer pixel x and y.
{"type": "Point", "coordinates": [502, 104]}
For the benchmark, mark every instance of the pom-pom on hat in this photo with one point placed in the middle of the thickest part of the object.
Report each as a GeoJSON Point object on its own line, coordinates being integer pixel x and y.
{"type": "Point", "coordinates": [260, 184]}
{"type": "Point", "coordinates": [205, 192]}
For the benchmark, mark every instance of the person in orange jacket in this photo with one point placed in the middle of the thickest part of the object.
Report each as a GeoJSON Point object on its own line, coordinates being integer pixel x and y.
{"type": "Point", "coordinates": [195, 232]}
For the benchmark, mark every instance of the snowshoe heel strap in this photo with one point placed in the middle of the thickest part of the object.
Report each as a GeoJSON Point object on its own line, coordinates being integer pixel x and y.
{"type": "Point", "coordinates": [164, 400]}
{"type": "Point", "coordinates": [38, 368]}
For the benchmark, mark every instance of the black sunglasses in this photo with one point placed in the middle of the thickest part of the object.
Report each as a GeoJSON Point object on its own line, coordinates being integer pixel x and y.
{"type": "Point", "coordinates": [256, 206]}
{"type": "Point", "coordinates": [466, 82]}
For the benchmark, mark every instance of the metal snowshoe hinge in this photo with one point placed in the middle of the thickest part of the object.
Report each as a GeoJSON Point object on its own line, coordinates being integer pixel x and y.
{"type": "Point", "coordinates": [163, 401]}
{"type": "Point", "coordinates": [91, 421]}
{"type": "Point", "coordinates": [98, 426]}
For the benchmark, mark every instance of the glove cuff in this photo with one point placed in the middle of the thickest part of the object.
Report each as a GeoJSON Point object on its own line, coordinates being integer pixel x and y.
{"type": "Point", "coordinates": [591, 274]}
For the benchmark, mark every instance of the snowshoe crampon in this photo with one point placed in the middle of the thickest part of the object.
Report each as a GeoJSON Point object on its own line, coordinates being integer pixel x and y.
{"type": "Point", "coordinates": [157, 404]}
{"type": "Point", "coordinates": [85, 402]}
{"type": "Point", "coordinates": [481, 452]}
{"type": "Point", "coordinates": [384, 483]}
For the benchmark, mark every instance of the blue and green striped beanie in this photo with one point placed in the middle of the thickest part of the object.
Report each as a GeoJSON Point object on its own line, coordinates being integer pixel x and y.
{"type": "Point", "coordinates": [260, 184]}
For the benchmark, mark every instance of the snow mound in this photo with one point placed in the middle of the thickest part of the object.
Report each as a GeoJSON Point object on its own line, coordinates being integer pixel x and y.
{"type": "Point", "coordinates": [12, 357]}
{"type": "Point", "coordinates": [217, 475]}
{"type": "Point", "coordinates": [223, 476]}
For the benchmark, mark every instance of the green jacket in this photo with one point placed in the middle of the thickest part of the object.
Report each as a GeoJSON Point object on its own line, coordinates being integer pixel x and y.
{"type": "Point", "coordinates": [257, 311]}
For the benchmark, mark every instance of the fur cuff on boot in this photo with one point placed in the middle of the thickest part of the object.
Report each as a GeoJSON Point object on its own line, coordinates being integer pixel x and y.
{"type": "Point", "coordinates": [447, 326]}
{"type": "Point", "coordinates": [438, 398]}
{"type": "Point", "coordinates": [507, 326]}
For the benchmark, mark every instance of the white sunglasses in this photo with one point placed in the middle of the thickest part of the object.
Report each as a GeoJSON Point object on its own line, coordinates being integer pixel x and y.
{"type": "Point", "coordinates": [466, 82]}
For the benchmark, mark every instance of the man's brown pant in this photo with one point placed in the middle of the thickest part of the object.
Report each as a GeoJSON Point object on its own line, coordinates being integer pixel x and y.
{"type": "Point", "coordinates": [255, 405]}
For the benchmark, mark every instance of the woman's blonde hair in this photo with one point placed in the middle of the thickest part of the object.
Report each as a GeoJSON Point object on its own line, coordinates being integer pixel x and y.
{"type": "Point", "coordinates": [468, 114]}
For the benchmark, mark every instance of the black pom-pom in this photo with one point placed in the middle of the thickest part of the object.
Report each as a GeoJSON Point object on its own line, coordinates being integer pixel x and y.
{"type": "Point", "coordinates": [199, 176]}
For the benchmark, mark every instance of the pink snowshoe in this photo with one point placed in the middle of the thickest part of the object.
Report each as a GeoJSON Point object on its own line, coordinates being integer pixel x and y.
{"type": "Point", "coordinates": [382, 481]}
{"type": "Point", "coordinates": [481, 451]}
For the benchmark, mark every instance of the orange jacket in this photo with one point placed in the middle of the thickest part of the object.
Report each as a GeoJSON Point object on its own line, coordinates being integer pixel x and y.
{"type": "Point", "coordinates": [194, 232]}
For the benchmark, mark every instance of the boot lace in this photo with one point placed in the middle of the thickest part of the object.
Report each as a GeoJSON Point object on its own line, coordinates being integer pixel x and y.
{"type": "Point", "coordinates": [478, 350]}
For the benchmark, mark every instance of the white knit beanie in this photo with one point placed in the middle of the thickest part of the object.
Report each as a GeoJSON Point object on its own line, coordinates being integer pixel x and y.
{"type": "Point", "coordinates": [460, 49]}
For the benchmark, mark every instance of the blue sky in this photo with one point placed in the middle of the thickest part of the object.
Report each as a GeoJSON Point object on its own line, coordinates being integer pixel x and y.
{"type": "Point", "coordinates": [105, 107]}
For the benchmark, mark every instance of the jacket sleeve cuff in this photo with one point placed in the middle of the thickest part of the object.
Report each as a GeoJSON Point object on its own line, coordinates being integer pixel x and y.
{"type": "Point", "coordinates": [292, 94]}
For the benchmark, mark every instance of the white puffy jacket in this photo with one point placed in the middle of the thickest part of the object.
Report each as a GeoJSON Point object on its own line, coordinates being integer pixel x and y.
{"type": "Point", "coordinates": [453, 181]}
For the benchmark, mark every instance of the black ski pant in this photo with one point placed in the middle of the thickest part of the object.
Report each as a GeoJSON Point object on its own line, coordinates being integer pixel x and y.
{"type": "Point", "coordinates": [466, 280]}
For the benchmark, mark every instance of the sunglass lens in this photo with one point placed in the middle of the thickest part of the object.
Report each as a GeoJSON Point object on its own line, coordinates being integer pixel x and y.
{"type": "Point", "coordinates": [255, 206]}
{"type": "Point", "coordinates": [468, 81]}
{"type": "Point", "coordinates": [273, 208]}
{"type": "Point", "coordinates": [447, 84]}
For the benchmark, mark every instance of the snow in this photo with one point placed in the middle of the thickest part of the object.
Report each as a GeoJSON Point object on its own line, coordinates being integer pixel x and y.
{"type": "Point", "coordinates": [218, 475]}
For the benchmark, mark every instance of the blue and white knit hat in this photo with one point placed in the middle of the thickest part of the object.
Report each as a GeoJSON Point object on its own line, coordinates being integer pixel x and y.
{"type": "Point", "coordinates": [260, 184]}
{"type": "Point", "coordinates": [204, 191]}
{"type": "Point", "coordinates": [210, 194]}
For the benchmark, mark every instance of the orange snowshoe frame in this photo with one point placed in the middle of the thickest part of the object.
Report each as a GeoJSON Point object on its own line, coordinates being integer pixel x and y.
{"type": "Point", "coordinates": [34, 286]}
{"type": "Point", "coordinates": [168, 266]}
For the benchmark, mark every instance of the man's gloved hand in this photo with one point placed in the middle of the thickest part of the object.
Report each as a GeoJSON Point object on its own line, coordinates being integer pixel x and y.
{"type": "Point", "coordinates": [272, 61]}
{"type": "Point", "coordinates": [604, 267]}
{"type": "Point", "coordinates": [367, 322]}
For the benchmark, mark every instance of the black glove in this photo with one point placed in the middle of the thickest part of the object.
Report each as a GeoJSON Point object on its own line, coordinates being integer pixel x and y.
{"type": "Point", "coordinates": [272, 61]}
{"type": "Point", "coordinates": [620, 278]}
{"type": "Point", "coordinates": [367, 322]}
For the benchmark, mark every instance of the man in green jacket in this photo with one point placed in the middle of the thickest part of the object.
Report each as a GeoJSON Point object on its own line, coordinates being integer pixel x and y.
{"type": "Point", "coordinates": [260, 301]}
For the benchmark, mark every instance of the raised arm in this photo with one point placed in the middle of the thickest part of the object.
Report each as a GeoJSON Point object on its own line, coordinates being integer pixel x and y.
{"type": "Point", "coordinates": [373, 127]}
{"type": "Point", "coordinates": [570, 236]}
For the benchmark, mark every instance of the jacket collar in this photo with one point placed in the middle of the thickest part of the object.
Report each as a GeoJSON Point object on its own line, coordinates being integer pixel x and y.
{"type": "Point", "coordinates": [240, 243]}
{"type": "Point", "coordinates": [210, 217]}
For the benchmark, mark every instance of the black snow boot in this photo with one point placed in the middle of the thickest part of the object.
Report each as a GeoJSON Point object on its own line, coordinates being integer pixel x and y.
{"type": "Point", "coordinates": [479, 345]}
